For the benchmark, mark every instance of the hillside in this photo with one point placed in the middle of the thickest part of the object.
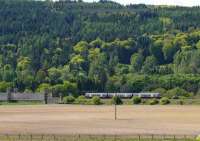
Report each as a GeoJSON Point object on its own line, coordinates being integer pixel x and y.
{"type": "Point", "coordinates": [74, 47]}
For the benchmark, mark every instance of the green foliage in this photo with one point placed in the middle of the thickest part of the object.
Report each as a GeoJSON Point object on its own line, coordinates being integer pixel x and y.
{"type": "Point", "coordinates": [43, 87]}
{"type": "Point", "coordinates": [4, 86]}
{"type": "Point", "coordinates": [54, 75]}
{"type": "Point", "coordinates": [156, 50]}
{"type": "Point", "coordinates": [153, 102]}
{"type": "Point", "coordinates": [150, 65]}
{"type": "Point", "coordinates": [181, 102]}
{"type": "Point", "coordinates": [73, 47]}
{"type": "Point", "coordinates": [81, 100]}
{"type": "Point", "coordinates": [68, 99]}
{"type": "Point", "coordinates": [178, 92]}
{"type": "Point", "coordinates": [96, 100]}
{"type": "Point", "coordinates": [136, 100]}
{"type": "Point", "coordinates": [64, 89]}
{"type": "Point", "coordinates": [116, 100]}
{"type": "Point", "coordinates": [198, 138]}
{"type": "Point", "coordinates": [198, 45]}
{"type": "Point", "coordinates": [164, 101]}
{"type": "Point", "coordinates": [81, 47]}
{"type": "Point", "coordinates": [187, 62]}
{"type": "Point", "coordinates": [136, 61]}
{"type": "Point", "coordinates": [161, 91]}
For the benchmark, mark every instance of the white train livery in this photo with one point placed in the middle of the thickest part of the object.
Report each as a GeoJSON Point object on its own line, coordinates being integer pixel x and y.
{"type": "Point", "coordinates": [123, 95]}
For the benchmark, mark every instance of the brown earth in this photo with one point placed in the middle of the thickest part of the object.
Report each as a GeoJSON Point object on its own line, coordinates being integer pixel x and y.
{"type": "Point", "coordinates": [70, 119]}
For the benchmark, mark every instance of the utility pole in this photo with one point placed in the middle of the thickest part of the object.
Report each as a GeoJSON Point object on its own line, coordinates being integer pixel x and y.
{"type": "Point", "coordinates": [46, 96]}
{"type": "Point", "coordinates": [115, 111]}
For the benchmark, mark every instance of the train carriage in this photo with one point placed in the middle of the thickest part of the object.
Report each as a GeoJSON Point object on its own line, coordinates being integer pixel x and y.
{"type": "Point", "coordinates": [101, 95]}
{"type": "Point", "coordinates": [123, 95]}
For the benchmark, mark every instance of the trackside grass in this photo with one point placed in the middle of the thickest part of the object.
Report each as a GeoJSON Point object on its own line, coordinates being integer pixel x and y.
{"type": "Point", "coordinates": [95, 138]}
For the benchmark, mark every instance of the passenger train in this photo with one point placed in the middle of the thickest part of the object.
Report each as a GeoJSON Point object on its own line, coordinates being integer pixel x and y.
{"type": "Point", "coordinates": [123, 95]}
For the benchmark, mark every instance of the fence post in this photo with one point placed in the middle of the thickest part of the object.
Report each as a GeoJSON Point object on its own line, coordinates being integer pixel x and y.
{"type": "Point", "coordinates": [9, 95]}
{"type": "Point", "coordinates": [46, 96]}
{"type": "Point", "coordinates": [163, 137]}
{"type": "Point", "coordinates": [174, 137]}
{"type": "Point", "coordinates": [79, 137]}
{"type": "Point", "coordinates": [104, 137]}
{"type": "Point", "coordinates": [54, 137]}
{"type": "Point", "coordinates": [185, 137]}
{"type": "Point", "coordinates": [152, 137]}
{"type": "Point", "coordinates": [61, 98]}
{"type": "Point", "coordinates": [115, 137]}
{"type": "Point", "coordinates": [7, 137]}
{"type": "Point", "coordinates": [139, 137]}
{"type": "Point", "coordinates": [42, 137]}
{"type": "Point", "coordinates": [115, 111]}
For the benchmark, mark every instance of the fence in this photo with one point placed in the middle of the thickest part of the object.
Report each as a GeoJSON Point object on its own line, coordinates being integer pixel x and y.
{"type": "Point", "coordinates": [3, 96]}
{"type": "Point", "coordinates": [12, 96]}
{"type": "Point", "coordinates": [27, 96]}
{"type": "Point", "coordinates": [97, 137]}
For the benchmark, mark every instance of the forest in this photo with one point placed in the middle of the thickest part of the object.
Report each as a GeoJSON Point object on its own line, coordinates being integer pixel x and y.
{"type": "Point", "coordinates": [72, 47]}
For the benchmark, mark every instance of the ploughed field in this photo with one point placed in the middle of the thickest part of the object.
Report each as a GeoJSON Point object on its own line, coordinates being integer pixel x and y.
{"type": "Point", "coordinates": [79, 119]}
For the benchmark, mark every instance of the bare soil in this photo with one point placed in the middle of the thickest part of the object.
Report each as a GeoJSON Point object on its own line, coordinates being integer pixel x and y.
{"type": "Point", "coordinates": [78, 119]}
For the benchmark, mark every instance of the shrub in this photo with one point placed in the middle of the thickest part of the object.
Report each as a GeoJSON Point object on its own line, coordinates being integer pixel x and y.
{"type": "Point", "coordinates": [81, 100]}
{"type": "Point", "coordinates": [177, 92]}
{"type": "Point", "coordinates": [116, 100]}
{"type": "Point", "coordinates": [136, 100]}
{"type": "Point", "coordinates": [164, 101]}
{"type": "Point", "coordinates": [175, 97]}
{"type": "Point", "coordinates": [162, 91]}
{"type": "Point", "coordinates": [28, 91]}
{"type": "Point", "coordinates": [96, 100]}
{"type": "Point", "coordinates": [68, 100]}
{"type": "Point", "coordinates": [181, 102]}
{"type": "Point", "coordinates": [153, 102]}
{"type": "Point", "coordinates": [4, 86]}
{"type": "Point", "coordinates": [198, 138]}
{"type": "Point", "coordinates": [44, 86]}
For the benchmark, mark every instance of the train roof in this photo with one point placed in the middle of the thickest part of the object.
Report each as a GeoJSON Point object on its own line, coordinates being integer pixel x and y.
{"type": "Point", "coordinates": [123, 93]}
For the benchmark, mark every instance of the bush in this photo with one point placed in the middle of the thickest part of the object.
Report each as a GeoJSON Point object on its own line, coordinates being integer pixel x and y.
{"type": "Point", "coordinates": [162, 91]}
{"type": "Point", "coordinates": [136, 100]}
{"type": "Point", "coordinates": [96, 100]}
{"type": "Point", "coordinates": [177, 92]}
{"type": "Point", "coordinates": [44, 86]}
{"type": "Point", "coordinates": [181, 102]}
{"type": "Point", "coordinates": [116, 100]}
{"type": "Point", "coordinates": [68, 100]}
{"type": "Point", "coordinates": [28, 91]}
{"type": "Point", "coordinates": [175, 97]}
{"type": "Point", "coordinates": [81, 100]}
{"type": "Point", "coordinates": [164, 101]}
{"type": "Point", "coordinates": [198, 138]}
{"type": "Point", "coordinates": [4, 86]}
{"type": "Point", "coordinates": [153, 102]}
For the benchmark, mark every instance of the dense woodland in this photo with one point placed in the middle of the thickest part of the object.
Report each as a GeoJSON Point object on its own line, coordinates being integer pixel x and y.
{"type": "Point", "coordinates": [72, 47]}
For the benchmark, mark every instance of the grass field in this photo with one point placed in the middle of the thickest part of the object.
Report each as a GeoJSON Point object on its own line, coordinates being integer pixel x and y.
{"type": "Point", "coordinates": [91, 138]}
{"type": "Point", "coordinates": [99, 120]}
{"type": "Point", "coordinates": [21, 103]}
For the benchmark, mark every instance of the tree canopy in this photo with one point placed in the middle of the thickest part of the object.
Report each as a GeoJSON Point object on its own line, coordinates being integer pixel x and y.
{"type": "Point", "coordinates": [71, 47]}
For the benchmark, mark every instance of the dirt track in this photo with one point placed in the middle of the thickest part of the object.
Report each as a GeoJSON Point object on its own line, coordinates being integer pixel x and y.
{"type": "Point", "coordinates": [68, 119]}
